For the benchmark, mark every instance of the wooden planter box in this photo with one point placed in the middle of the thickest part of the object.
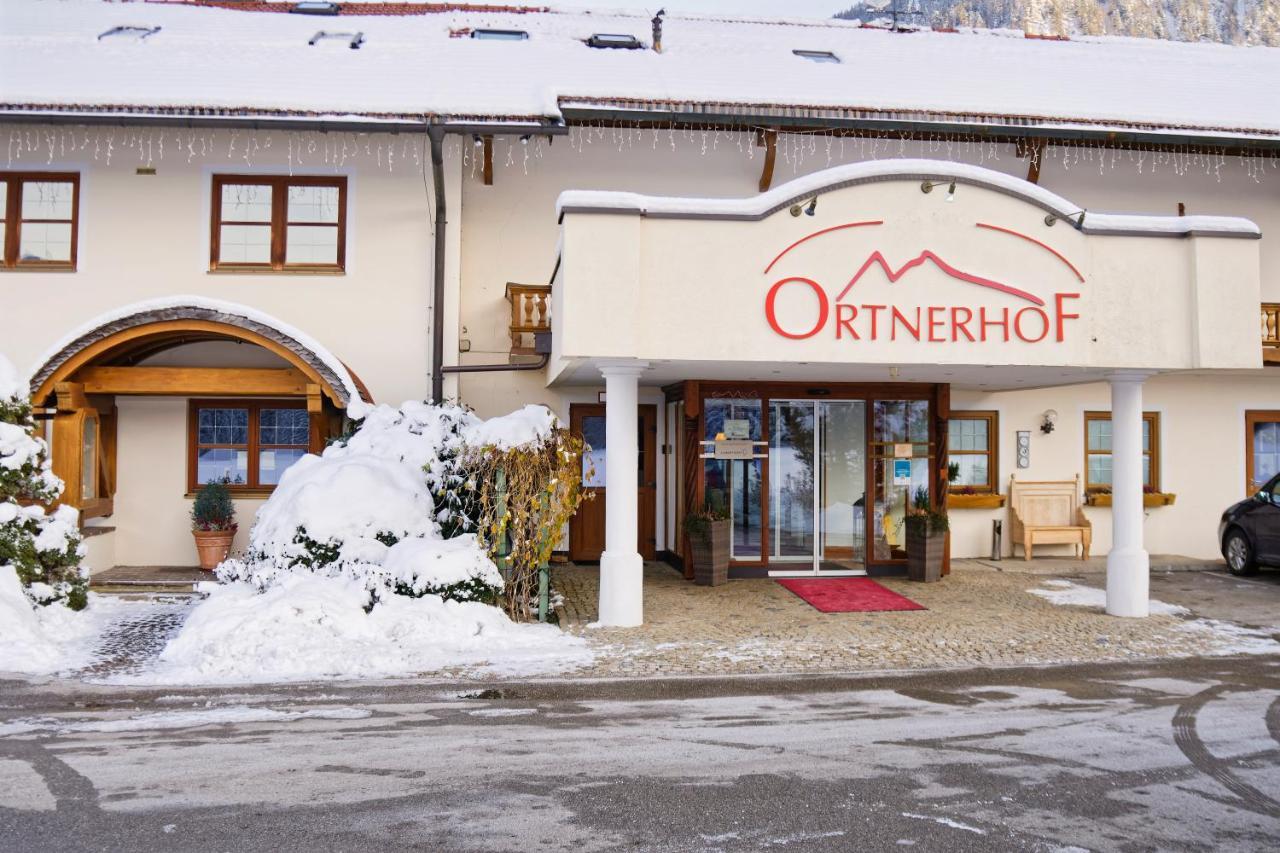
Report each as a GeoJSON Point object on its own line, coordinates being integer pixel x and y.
{"type": "Point", "coordinates": [1149, 499]}
{"type": "Point", "coordinates": [924, 555]}
{"type": "Point", "coordinates": [980, 501]}
{"type": "Point", "coordinates": [711, 556]}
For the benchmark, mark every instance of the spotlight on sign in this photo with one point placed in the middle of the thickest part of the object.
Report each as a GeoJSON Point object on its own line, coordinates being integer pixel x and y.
{"type": "Point", "coordinates": [927, 187]}
{"type": "Point", "coordinates": [808, 210]}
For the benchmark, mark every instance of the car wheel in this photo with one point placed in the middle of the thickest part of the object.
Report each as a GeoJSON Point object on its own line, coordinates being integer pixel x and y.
{"type": "Point", "coordinates": [1239, 553]}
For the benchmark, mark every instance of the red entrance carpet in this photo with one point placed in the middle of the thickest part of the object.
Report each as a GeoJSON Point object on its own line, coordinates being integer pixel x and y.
{"type": "Point", "coordinates": [848, 595]}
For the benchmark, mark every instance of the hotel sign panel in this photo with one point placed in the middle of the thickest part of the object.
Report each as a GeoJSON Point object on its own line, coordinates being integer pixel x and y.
{"type": "Point", "coordinates": [885, 274]}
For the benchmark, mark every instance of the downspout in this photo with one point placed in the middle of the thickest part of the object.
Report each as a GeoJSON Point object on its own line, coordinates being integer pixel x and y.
{"type": "Point", "coordinates": [542, 340]}
{"type": "Point", "coordinates": [436, 134]}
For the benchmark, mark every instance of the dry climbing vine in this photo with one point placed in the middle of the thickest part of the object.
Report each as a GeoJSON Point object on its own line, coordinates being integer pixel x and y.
{"type": "Point", "coordinates": [528, 495]}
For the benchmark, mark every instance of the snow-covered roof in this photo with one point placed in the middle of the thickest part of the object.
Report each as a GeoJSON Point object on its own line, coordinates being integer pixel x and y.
{"type": "Point", "coordinates": [255, 61]}
{"type": "Point", "coordinates": [759, 206]}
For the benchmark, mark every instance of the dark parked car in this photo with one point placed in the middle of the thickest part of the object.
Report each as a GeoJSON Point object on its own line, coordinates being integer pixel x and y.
{"type": "Point", "coordinates": [1250, 531]}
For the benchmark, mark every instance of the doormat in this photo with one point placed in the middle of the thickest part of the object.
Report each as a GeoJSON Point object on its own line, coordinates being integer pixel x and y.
{"type": "Point", "coordinates": [848, 595]}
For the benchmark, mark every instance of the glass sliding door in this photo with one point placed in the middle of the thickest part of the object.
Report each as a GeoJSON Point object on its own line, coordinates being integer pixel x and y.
{"type": "Point", "coordinates": [792, 480]}
{"type": "Point", "coordinates": [817, 484]}
{"type": "Point", "coordinates": [842, 442]}
{"type": "Point", "coordinates": [736, 485]}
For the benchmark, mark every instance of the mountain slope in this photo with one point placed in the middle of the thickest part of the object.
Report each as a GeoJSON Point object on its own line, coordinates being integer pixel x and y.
{"type": "Point", "coordinates": [1243, 22]}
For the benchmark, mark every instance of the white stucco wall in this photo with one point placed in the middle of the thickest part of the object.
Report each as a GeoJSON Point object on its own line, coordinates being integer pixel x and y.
{"type": "Point", "coordinates": [1202, 455]}
{"type": "Point", "coordinates": [147, 236]}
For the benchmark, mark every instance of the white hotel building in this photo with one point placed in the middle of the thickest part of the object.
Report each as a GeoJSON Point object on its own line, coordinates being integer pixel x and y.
{"type": "Point", "coordinates": [870, 253]}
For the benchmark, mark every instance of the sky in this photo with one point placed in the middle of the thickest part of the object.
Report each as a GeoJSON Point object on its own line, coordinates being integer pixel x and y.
{"type": "Point", "coordinates": [752, 8]}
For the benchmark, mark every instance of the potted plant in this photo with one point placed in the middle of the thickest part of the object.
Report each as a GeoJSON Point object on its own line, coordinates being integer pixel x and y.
{"type": "Point", "coordinates": [213, 524]}
{"type": "Point", "coordinates": [708, 532]}
{"type": "Point", "coordinates": [926, 538]}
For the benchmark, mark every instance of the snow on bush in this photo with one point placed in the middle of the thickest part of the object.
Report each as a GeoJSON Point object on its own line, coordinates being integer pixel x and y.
{"type": "Point", "coordinates": [388, 506]}
{"type": "Point", "coordinates": [43, 549]}
{"type": "Point", "coordinates": [305, 626]}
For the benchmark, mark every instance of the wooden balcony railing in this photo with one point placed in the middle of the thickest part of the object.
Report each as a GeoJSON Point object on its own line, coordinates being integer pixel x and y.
{"type": "Point", "coordinates": [530, 314]}
{"type": "Point", "coordinates": [1271, 332]}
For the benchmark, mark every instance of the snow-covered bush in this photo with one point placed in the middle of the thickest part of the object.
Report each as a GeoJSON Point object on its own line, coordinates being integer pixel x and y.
{"type": "Point", "coordinates": [392, 506]}
{"type": "Point", "coordinates": [43, 549]}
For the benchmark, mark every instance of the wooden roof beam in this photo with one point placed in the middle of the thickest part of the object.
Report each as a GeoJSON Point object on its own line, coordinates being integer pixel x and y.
{"type": "Point", "coordinates": [194, 381]}
{"type": "Point", "coordinates": [769, 139]}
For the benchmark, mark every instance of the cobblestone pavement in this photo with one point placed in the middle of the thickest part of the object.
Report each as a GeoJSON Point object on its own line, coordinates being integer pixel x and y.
{"type": "Point", "coordinates": [130, 644]}
{"type": "Point", "coordinates": [975, 617]}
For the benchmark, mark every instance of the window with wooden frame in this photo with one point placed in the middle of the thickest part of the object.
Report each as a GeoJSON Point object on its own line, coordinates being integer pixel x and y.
{"type": "Point", "coordinates": [39, 220]}
{"type": "Point", "coordinates": [1097, 451]}
{"type": "Point", "coordinates": [246, 443]}
{"type": "Point", "coordinates": [1261, 448]}
{"type": "Point", "coordinates": [279, 224]}
{"type": "Point", "coordinates": [972, 444]}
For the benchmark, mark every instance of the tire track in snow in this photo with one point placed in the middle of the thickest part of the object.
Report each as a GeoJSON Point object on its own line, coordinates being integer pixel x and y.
{"type": "Point", "coordinates": [1193, 747]}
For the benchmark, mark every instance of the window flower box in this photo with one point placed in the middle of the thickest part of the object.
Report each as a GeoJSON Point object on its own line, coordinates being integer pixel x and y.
{"type": "Point", "coordinates": [1149, 499]}
{"type": "Point", "coordinates": [978, 500]}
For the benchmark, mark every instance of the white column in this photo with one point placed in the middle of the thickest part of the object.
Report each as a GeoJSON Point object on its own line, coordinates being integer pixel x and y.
{"type": "Point", "coordinates": [621, 568]}
{"type": "Point", "coordinates": [1128, 565]}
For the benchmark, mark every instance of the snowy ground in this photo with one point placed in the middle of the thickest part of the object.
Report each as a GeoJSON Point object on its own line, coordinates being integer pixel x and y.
{"type": "Point", "coordinates": [306, 628]}
{"type": "Point", "coordinates": [1173, 755]}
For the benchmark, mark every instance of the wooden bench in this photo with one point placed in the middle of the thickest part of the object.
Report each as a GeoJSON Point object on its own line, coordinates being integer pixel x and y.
{"type": "Point", "coordinates": [1048, 513]}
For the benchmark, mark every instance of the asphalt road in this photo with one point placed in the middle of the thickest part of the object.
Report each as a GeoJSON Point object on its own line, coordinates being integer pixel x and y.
{"type": "Point", "coordinates": [1172, 756]}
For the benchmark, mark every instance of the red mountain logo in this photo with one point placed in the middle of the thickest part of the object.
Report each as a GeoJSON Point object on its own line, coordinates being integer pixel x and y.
{"type": "Point", "coordinates": [926, 255]}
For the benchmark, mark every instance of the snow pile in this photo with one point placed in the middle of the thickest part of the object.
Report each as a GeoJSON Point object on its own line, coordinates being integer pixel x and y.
{"type": "Point", "coordinates": [372, 507]}
{"type": "Point", "coordinates": [311, 627]}
{"type": "Point", "coordinates": [1067, 593]}
{"type": "Point", "coordinates": [10, 385]}
{"type": "Point", "coordinates": [422, 564]}
{"type": "Point", "coordinates": [52, 639]}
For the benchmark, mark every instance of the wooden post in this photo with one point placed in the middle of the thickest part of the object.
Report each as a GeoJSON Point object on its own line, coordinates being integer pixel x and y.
{"type": "Point", "coordinates": [1033, 150]}
{"type": "Point", "coordinates": [942, 484]}
{"type": "Point", "coordinates": [770, 141]}
{"type": "Point", "coordinates": [315, 419]}
{"type": "Point", "coordinates": [488, 160]}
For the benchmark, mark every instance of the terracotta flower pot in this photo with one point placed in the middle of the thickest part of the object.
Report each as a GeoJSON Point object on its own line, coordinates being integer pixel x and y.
{"type": "Point", "coordinates": [213, 546]}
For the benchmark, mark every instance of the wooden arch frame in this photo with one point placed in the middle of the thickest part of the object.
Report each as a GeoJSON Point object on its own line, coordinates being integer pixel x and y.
{"type": "Point", "coordinates": [136, 336]}
{"type": "Point", "coordinates": [81, 380]}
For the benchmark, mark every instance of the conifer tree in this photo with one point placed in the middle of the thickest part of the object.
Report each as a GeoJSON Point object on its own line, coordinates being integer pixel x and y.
{"type": "Point", "coordinates": [43, 548]}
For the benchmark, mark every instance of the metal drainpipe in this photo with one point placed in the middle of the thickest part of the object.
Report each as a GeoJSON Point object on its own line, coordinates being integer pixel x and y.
{"type": "Point", "coordinates": [436, 134]}
{"type": "Point", "coordinates": [438, 368]}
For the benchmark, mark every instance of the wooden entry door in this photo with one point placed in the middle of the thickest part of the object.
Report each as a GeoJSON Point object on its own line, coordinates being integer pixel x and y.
{"type": "Point", "coordinates": [1261, 448]}
{"type": "Point", "coordinates": [586, 529]}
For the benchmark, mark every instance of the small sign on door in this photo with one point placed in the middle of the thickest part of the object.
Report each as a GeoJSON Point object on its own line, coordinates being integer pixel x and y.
{"type": "Point", "coordinates": [903, 451]}
{"type": "Point", "coordinates": [737, 429]}
{"type": "Point", "coordinates": [902, 472]}
{"type": "Point", "coordinates": [734, 449]}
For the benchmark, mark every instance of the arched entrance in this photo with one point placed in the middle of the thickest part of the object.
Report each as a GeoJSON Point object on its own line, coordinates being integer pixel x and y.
{"type": "Point", "coordinates": [138, 351]}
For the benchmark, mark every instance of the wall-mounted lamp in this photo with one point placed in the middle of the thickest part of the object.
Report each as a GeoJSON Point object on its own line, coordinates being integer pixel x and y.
{"type": "Point", "coordinates": [1047, 421]}
{"type": "Point", "coordinates": [1051, 218]}
{"type": "Point", "coordinates": [524, 140]}
{"type": "Point", "coordinates": [476, 140]}
{"type": "Point", "coordinates": [927, 187]}
{"type": "Point", "coordinates": [808, 210]}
